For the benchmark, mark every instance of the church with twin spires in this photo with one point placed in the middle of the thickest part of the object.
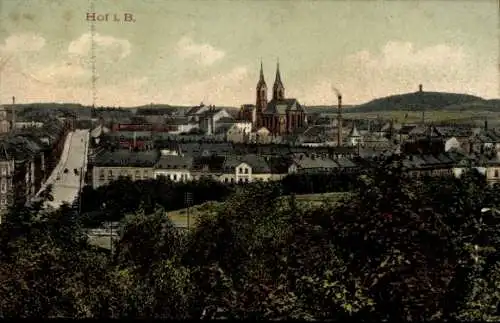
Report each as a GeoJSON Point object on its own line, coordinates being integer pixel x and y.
{"type": "Point", "coordinates": [280, 115]}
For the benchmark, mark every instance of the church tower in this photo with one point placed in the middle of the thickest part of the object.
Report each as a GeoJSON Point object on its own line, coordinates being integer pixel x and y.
{"type": "Point", "coordinates": [278, 88]}
{"type": "Point", "coordinates": [261, 103]}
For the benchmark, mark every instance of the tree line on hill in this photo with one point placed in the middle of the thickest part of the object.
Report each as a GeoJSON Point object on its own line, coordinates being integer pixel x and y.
{"type": "Point", "coordinates": [396, 249]}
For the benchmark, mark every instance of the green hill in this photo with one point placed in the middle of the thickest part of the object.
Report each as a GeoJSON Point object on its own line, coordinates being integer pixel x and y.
{"type": "Point", "coordinates": [326, 109]}
{"type": "Point", "coordinates": [479, 105]}
{"type": "Point", "coordinates": [418, 101]}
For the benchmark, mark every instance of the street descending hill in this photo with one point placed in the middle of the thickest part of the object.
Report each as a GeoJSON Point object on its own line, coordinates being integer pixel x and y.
{"type": "Point", "coordinates": [419, 101]}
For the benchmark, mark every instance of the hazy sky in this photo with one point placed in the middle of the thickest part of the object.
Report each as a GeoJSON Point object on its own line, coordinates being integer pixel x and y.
{"type": "Point", "coordinates": [188, 51]}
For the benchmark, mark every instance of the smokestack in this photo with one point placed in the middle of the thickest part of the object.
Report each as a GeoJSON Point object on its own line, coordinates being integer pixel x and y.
{"type": "Point", "coordinates": [13, 112]}
{"type": "Point", "coordinates": [420, 88]}
{"type": "Point", "coordinates": [339, 121]}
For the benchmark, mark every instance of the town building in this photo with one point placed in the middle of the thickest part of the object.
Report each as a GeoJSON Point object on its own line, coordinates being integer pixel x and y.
{"type": "Point", "coordinates": [110, 165]}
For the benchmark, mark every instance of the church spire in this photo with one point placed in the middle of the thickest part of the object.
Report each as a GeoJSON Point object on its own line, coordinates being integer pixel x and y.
{"type": "Point", "coordinates": [262, 81]}
{"type": "Point", "coordinates": [278, 75]}
{"type": "Point", "coordinates": [261, 96]}
{"type": "Point", "coordinates": [261, 72]}
{"type": "Point", "coordinates": [278, 88]}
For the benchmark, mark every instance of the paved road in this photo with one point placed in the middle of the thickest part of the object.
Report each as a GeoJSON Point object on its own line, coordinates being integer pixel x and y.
{"type": "Point", "coordinates": [65, 186]}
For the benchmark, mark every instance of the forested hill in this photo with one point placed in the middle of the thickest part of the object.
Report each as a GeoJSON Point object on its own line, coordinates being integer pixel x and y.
{"type": "Point", "coordinates": [422, 101]}
{"type": "Point", "coordinates": [416, 101]}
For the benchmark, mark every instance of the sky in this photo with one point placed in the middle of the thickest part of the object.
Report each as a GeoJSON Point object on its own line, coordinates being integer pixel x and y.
{"type": "Point", "coordinates": [183, 52]}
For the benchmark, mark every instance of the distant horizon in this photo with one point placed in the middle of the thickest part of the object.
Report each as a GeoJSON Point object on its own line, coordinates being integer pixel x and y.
{"type": "Point", "coordinates": [344, 104]}
{"type": "Point", "coordinates": [189, 51]}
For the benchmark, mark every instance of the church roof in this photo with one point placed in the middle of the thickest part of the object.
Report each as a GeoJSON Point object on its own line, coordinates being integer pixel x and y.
{"type": "Point", "coordinates": [282, 106]}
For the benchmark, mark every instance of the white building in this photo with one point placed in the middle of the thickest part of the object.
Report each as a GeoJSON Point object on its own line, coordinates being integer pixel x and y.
{"type": "Point", "coordinates": [174, 167]}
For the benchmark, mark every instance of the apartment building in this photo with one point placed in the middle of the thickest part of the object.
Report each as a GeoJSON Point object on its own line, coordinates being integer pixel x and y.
{"type": "Point", "coordinates": [110, 165]}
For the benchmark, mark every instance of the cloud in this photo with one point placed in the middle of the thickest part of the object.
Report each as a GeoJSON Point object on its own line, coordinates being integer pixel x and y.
{"type": "Point", "coordinates": [25, 42]}
{"type": "Point", "coordinates": [73, 67]}
{"type": "Point", "coordinates": [107, 47]}
{"type": "Point", "coordinates": [62, 73]}
{"type": "Point", "coordinates": [68, 76]}
{"type": "Point", "coordinates": [222, 87]}
{"type": "Point", "coordinates": [203, 54]}
{"type": "Point", "coordinates": [399, 67]}
{"type": "Point", "coordinates": [404, 55]}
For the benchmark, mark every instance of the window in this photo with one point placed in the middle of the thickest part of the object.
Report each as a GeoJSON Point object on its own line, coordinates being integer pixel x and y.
{"type": "Point", "coordinates": [4, 186]}
{"type": "Point", "coordinates": [240, 170]}
{"type": "Point", "coordinates": [175, 177]}
{"type": "Point", "coordinates": [226, 180]}
{"type": "Point", "coordinates": [137, 174]}
{"type": "Point", "coordinates": [101, 174]}
{"type": "Point", "coordinates": [246, 170]}
{"type": "Point", "coordinates": [3, 201]}
{"type": "Point", "coordinates": [4, 171]}
{"type": "Point", "coordinates": [246, 180]}
{"type": "Point", "coordinates": [496, 172]}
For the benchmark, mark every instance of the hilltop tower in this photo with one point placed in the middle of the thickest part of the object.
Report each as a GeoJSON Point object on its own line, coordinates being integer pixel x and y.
{"type": "Point", "coordinates": [278, 88]}
{"type": "Point", "coordinates": [261, 96]}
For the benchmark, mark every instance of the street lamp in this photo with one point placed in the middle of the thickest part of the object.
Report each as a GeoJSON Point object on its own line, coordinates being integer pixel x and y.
{"type": "Point", "coordinates": [188, 200]}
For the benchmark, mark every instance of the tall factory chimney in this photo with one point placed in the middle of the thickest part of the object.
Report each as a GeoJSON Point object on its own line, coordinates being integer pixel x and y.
{"type": "Point", "coordinates": [339, 120]}
{"type": "Point", "coordinates": [420, 88]}
{"type": "Point", "coordinates": [13, 112]}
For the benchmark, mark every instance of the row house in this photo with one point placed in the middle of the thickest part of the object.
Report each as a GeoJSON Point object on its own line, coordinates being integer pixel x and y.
{"type": "Point", "coordinates": [182, 125]}
{"type": "Point", "coordinates": [108, 166]}
{"type": "Point", "coordinates": [142, 140]}
{"type": "Point", "coordinates": [174, 167]}
{"type": "Point", "coordinates": [492, 170]}
{"type": "Point", "coordinates": [419, 165]}
{"type": "Point", "coordinates": [22, 170]}
{"type": "Point", "coordinates": [210, 120]}
{"type": "Point", "coordinates": [484, 140]}
{"type": "Point", "coordinates": [27, 157]}
{"type": "Point", "coordinates": [314, 164]}
{"type": "Point", "coordinates": [456, 137]}
{"type": "Point", "coordinates": [248, 168]}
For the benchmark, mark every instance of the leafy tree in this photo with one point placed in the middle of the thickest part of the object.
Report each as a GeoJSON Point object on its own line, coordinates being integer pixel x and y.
{"type": "Point", "coordinates": [47, 268]}
{"type": "Point", "coordinates": [146, 239]}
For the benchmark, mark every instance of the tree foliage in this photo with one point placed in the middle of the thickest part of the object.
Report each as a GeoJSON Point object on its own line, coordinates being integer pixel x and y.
{"type": "Point", "coordinates": [398, 248]}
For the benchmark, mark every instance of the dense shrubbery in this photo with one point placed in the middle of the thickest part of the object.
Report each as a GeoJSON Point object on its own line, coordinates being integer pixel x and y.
{"type": "Point", "coordinates": [397, 249]}
{"type": "Point", "coordinates": [124, 195]}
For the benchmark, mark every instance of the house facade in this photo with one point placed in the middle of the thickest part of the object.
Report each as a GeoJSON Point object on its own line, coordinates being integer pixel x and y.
{"type": "Point", "coordinates": [110, 165]}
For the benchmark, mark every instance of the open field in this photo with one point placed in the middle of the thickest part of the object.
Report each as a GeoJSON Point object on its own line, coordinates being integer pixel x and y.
{"type": "Point", "coordinates": [180, 218]}
{"type": "Point", "coordinates": [318, 199]}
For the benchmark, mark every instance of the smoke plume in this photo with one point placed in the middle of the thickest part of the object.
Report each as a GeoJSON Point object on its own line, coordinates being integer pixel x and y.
{"type": "Point", "coordinates": [337, 92]}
